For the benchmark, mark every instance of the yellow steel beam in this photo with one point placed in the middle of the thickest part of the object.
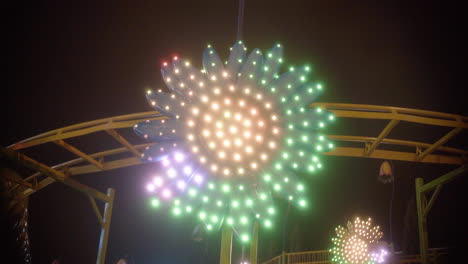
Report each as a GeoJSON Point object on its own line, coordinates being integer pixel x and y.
{"type": "Point", "coordinates": [26, 161]}
{"type": "Point", "coordinates": [396, 142]}
{"type": "Point", "coordinates": [79, 153]}
{"type": "Point", "coordinates": [79, 131]}
{"type": "Point", "coordinates": [440, 142]}
{"type": "Point", "coordinates": [390, 109]}
{"type": "Point", "coordinates": [76, 170]}
{"type": "Point", "coordinates": [393, 155]}
{"type": "Point", "coordinates": [382, 135]}
{"type": "Point", "coordinates": [444, 179]}
{"type": "Point", "coordinates": [124, 142]}
{"type": "Point", "coordinates": [395, 113]}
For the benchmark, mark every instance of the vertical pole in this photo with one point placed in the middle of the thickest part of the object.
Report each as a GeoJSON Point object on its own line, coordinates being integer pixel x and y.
{"type": "Point", "coordinates": [226, 245]}
{"type": "Point", "coordinates": [422, 223]}
{"type": "Point", "coordinates": [101, 257]}
{"type": "Point", "coordinates": [254, 245]}
{"type": "Point", "coordinates": [283, 257]}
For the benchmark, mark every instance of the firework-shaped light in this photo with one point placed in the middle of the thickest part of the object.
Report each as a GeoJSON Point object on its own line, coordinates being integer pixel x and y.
{"type": "Point", "coordinates": [359, 243]}
{"type": "Point", "coordinates": [232, 136]}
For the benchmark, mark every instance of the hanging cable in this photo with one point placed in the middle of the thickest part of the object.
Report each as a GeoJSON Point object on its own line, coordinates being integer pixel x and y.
{"type": "Point", "coordinates": [240, 19]}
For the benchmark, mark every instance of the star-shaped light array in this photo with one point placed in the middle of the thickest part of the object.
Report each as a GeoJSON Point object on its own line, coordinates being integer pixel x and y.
{"type": "Point", "coordinates": [235, 135]}
{"type": "Point", "coordinates": [358, 244]}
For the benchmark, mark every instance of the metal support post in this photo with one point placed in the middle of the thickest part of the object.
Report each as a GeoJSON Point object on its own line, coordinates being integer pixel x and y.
{"type": "Point", "coordinates": [226, 245]}
{"type": "Point", "coordinates": [422, 223]}
{"type": "Point", "coordinates": [105, 227]}
{"type": "Point", "coordinates": [283, 257]}
{"type": "Point", "coordinates": [254, 244]}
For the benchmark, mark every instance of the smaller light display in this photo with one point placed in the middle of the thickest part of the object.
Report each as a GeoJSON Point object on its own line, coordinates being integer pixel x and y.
{"type": "Point", "coordinates": [359, 243]}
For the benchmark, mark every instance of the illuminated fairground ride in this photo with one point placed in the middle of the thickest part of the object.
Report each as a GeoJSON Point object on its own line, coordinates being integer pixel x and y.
{"type": "Point", "coordinates": [129, 154]}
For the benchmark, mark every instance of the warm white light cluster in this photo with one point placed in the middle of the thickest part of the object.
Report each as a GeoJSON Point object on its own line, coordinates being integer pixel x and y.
{"type": "Point", "coordinates": [356, 244]}
{"type": "Point", "coordinates": [233, 131]}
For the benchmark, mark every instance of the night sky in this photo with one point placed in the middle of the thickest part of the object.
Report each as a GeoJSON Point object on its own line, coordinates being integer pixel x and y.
{"type": "Point", "coordinates": [69, 63]}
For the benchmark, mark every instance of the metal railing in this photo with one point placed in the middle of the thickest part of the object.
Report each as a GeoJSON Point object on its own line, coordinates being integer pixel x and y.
{"type": "Point", "coordinates": [324, 256]}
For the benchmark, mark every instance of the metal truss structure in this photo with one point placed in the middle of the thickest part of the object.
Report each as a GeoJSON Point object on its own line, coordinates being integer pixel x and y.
{"type": "Point", "coordinates": [130, 152]}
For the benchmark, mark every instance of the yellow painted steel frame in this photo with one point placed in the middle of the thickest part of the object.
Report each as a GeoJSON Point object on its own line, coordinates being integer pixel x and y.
{"type": "Point", "coordinates": [395, 115]}
{"type": "Point", "coordinates": [87, 163]}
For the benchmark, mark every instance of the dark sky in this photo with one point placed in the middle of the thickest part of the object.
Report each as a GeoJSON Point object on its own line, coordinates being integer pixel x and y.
{"type": "Point", "coordinates": [73, 62]}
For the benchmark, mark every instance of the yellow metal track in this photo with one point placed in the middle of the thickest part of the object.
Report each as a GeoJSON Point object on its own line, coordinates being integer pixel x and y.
{"type": "Point", "coordinates": [371, 146]}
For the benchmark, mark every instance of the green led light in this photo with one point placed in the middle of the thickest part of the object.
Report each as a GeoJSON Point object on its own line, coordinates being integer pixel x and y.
{"type": "Point", "coordinates": [214, 219]}
{"type": "Point", "coordinates": [230, 221]}
{"type": "Point", "coordinates": [319, 86]}
{"type": "Point", "coordinates": [241, 187]}
{"type": "Point", "coordinates": [302, 203]}
{"type": "Point", "coordinates": [331, 117]}
{"type": "Point", "coordinates": [300, 187]}
{"type": "Point", "coordinates": [277, 187]}
{"type": "Point", "coordinates": [271, 210]}
{"type": "Point", "coordinates": [295, 165]}
{"type": "Point", "coordinates": [305, 124]}
{"type": "Point", "coordinates": [219, 203]}
{"type": "Point", "coordinates": [244, 220]}
{"type": "Point", "coordinates": [192, 192]}
{"type": "Point", "coordinates": [177, 211]}
{"type": "Point", "coordinates": [321, 138]}
{"type": "Point", "coordinates": [188, 209]}
{"type": "Point", "coordinates": [226, 188]}
{"type": "Point", "coordinates": [303, 78]}
{"type": "Point", "coordinates": [311, 168]}
{"type": "Point", "coordinates": [263, 196]}
{"type": "Point", "coordinates": [286, 179]}
{"type": "Point", "coordinates": [319, 148]}
{"type": "Point", "coordinates": [205, 199]}
{"type": "Point", "coordinates": [267, 223]}
{"type": "Point", "coordinates": [278, 166]}
{"type": "Point", "coordinates": [285, 155]}
{"type": "Point", "coordinates": [291, 69]}
{"type": "Point", "coordinates": [280, 60]}
{"type": "Point", "coordinates": [319, 110]}
{"type": "Point", "coordinates": [304, 138]}
{"type": "Point", "coordinates": [245, 238]}
{"type": "Point", "coordinates": [235, 204]}
{"type": "Point", "coordinates": [290, 141]}
{"type": "Point", "coordinates": [209, 227]}
{"type": "Point", "coordinates": [267, 177]}
{"type": "Point", "coordinates": [249, 202]}
{"type": "Point", "coordinates": [321, 124]}
{"type": "Point", "coordinates": [211, 186]}
{"type": "Point", "coordinates": [270, 55]}
{"type": "Point", "coordinates": [290, 197]}
{"type": "Point", "coordinates": [301, 153]}
{"type": "Point", "coordinates": [202, 215]}
{"type": "Point", "coordinates": [177, 202]}
{"type": "Point", "coordinates": [330, 145]}
{"type": "Point", "coordinates": [155, 202]}
{"type": "Point", "coordinates": [307, 68]}
{"type": "Point", "coordinates": [265, 68]}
